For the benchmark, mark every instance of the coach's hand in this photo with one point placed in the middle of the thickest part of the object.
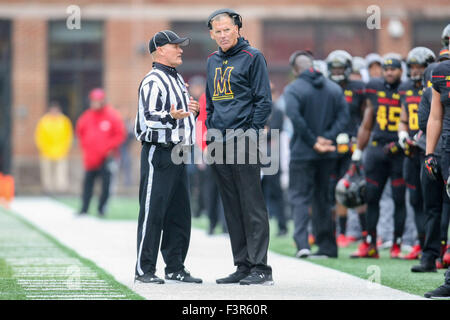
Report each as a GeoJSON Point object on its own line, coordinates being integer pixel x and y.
{"type": "Point", "coordinates": [323, 145]}
{"type": "Point", "coordinates": [178, 113]}
{"type": "Point", "coordinates": [431, 166]}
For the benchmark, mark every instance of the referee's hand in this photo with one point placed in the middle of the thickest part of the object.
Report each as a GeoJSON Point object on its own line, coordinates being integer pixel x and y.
{"type": "Point", "coordinates": [178, 113]}
{"type": "Point", "coordinates": [194, 106]}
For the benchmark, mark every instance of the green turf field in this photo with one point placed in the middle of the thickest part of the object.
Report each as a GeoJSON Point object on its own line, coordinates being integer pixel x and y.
{"type": "Point", "coordinates": [33, 265]}
{"type": "Point", "coordinates": [393, 273]}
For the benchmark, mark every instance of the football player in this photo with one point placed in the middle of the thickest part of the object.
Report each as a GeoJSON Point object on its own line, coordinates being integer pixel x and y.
{"type": "Point", "coordinates": [383, 158]}
{"type": "Point", "coordinates": [339, 64]}
{"type": "Point", "coordinates": [410, 94]}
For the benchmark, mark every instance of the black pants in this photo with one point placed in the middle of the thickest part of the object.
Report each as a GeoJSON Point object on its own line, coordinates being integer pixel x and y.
{"type": "Point", "coordinates": [213, 203]}
{"type": "Point", "coordinates": [274, 197]}
{"type": "Point", "coordinates": [309, 187]}
{"type": "Point", "coordinates": [245, 210]}
{"type": "Point", "coordinates": [341, 166]}
{"type": "Point", "coordinates": [105, 174]}
{"type": "Point", "coordinates": [380, 166]}
{"type": "Point", "coordinates": [411, 172]}
{"type": "Point", "coordinates": [164, 206]}
{"type": "Point", "coordinates": [437, 209]}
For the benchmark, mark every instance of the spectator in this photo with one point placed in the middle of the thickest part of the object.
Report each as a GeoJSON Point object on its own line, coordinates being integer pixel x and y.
{"type": "Point", "coordinates": [53, 136]}
{"type": "Point", "coordinates": [101, 132]}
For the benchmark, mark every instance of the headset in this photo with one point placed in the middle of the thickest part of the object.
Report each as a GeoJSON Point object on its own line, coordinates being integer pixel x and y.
{"type": "Point", "coordinates": [233, 14]}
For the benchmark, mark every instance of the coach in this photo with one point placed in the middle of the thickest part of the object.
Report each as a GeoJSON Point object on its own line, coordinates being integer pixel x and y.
{"type": "Point", "coordinates": [238, 97]}
{"type": "Point", "coordinates": [318, 111]}
{"type": "Point", "coordinates": [165, 118]}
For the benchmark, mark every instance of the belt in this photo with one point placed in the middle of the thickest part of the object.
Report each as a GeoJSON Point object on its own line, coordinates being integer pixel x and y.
{"type": "Point", "coordinates": [376, 143]}
{"type": "Point", "coordinates": [167, 145]}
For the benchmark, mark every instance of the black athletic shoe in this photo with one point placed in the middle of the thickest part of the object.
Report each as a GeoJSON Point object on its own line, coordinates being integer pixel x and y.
{"type": "Point", "coordinates": [182, 276]}
{"type": "Point", "coordinates": [257, 277]}
{"type": "Point", "coordinates": [149, 278]}
{"type": "Point", "coordinates": [320, 255]}
{"type": "Point", "coordinates": [443, 292]}
{"type": "Point", "coordinates": [235, 277]}
{"type": "Point", "coordinates": [423, 268]}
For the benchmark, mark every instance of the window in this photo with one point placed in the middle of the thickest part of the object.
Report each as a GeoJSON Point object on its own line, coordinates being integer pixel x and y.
{"type": "Point", "coordinates": [282, 38]}
{"type": "Point", "coordinates": [201, 46]}
{"type": "Point", "coordinates": [75, 64]}
{"type": "Point", "coordinates": [5, 96]}
{"type": "Point", "coordinates": [428, 34]}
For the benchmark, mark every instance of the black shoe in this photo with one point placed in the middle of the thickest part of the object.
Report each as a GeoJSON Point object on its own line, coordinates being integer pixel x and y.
{"type": "Point", "coordinates": [257, 277]}
{"type": "Point", "coordinates": [182, 276]}
{"type": "Point", "coordinates": [282, 233]}
{"type": "Point", "coordinates": [443, 292]}
{"type": "Point", "coordinates": [234, 277]}
{"type": "Point", "coordinates": [149, 278]}
{"type": "Point", "coordinates": [320, 255]}
{"type": "Point", "coordinates": [423, 268]}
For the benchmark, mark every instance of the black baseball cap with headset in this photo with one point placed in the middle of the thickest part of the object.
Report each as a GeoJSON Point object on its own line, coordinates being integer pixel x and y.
{"type": "Point", "coordinates": [233, 14]}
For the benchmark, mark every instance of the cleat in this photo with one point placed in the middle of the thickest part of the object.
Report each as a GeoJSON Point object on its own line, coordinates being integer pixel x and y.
{"type": "Point", "coordinates": [351, 239]}
{"type": "Point", "coordinates": [423, 268]}
{"type": "Point", "coordinates": [149, 278]}
{"type": "Point", "coordinates": [443, 292]}
{"type": "Point", "coordinates": [235, 277]}
{"type": "Point", "coordinates": [303, 253]}
{"type": "Point", "coordinates": [446, 258]}
{"type": "Point", "coordinates": [257, 277]}
{"type": "Point", "coordinates": [395, 251]}
{"type": "Point", "coordinates": [342, 241]}
{"type": "Point", "coordinates": [182, 276]}
{"type": "Point", "coordinates": [439, 264]}
{"type": "Point", "coordinates": [415, 253]}
{"type": "Point", "coordinates": [366, 250]}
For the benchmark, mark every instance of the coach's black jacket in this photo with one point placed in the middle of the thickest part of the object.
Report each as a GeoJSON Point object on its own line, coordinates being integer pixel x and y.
{"type": "Point", "coordinates": [238, 92]}
{"type": "Point", "coordinates": [317, 107]}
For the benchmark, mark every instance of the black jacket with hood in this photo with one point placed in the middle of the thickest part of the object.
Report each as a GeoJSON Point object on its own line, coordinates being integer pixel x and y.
{"type": "Point", "coordinates": [316, 107]}
{"type": "Point", "coordinates": [238, 94]}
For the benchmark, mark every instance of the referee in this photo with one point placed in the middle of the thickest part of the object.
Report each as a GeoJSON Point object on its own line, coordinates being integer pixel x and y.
{"type": "Point", "coordinates": [166, 117]}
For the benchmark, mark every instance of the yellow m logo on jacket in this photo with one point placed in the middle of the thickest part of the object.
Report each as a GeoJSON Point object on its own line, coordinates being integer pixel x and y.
{"type": "Point", "coordinates": [222, 87]}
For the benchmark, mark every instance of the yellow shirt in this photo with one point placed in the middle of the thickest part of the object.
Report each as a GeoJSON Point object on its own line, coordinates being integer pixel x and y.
{"type": "Point", "coordinates": [53, 136]}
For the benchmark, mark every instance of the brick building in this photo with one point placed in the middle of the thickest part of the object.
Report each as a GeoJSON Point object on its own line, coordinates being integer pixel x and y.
{"type": "Point", "coordinates": [41, 59]}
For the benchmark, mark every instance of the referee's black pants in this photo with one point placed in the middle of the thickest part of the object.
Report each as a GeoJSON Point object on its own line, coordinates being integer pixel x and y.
{"type": "Point", "coordinates": [164, 206]}
{"type": "Point", "coordinates": [245, 211]}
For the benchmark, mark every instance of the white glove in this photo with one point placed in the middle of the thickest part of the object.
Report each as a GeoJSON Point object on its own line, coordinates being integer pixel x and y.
{"type": "Point", "coordinates": [356, 156]}
{"type": "Point", "coordinates": [342, 138]}
{"type": "Point", "coordinates": [402, 137]}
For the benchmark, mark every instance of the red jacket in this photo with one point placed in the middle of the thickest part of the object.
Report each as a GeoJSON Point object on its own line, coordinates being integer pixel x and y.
{"type": "Point", "coordinates": [100, 133]}
{"type": "Point", "coordinates": [200, 129]}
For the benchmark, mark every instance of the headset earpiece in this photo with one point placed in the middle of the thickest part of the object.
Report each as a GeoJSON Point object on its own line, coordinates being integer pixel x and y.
{"type": "Point", "coordinates": [237, 19]}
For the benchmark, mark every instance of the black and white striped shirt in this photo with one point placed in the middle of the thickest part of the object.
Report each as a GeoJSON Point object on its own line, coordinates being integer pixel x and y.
{"type": "Point", "coordinates": [160, 88]}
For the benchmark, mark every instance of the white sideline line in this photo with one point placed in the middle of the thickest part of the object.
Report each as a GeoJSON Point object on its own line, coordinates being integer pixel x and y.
{"type": "Point", "coordinates": [112, 246]}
